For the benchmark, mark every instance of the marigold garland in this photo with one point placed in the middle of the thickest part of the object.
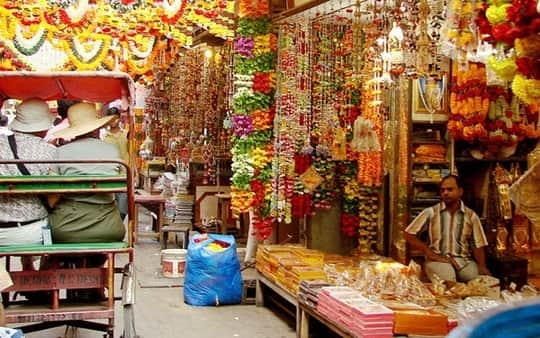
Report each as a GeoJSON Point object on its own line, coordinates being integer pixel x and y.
{"type": "Point", "coordinates": [93, 61]}
{"type": "Point", "coordinates": [118, 19]}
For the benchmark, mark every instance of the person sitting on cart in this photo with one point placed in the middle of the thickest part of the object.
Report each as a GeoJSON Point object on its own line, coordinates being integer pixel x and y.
{"type": "Point", "coordinates": [22, 217]}
{"type": "Point", "coordinates": [456, 240]}
{"type": "Point", "coordinates": [91, 217]}
{"type": "Point", "coordinates": [60, 122]}
{"type": "Point", "coordinates": [118, 136]}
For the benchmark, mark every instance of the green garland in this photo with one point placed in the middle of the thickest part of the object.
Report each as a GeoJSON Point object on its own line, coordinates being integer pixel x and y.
{"type": "Point", "coordinates": [260, 63]}
{"type": "Point", "coordinates": [32, 50]}
{"type": "Point", "coordinates": [251, 27]}
{"type": "Point", "coordinates": [247, 102]}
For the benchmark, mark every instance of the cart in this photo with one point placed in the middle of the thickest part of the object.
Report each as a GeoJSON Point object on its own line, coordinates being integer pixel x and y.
{"type": "Point", "coordinates": [96, 315]}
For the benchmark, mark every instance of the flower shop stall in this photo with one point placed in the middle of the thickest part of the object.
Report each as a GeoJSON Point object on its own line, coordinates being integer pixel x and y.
{"type": "Point", "coordinates": [358, 88]}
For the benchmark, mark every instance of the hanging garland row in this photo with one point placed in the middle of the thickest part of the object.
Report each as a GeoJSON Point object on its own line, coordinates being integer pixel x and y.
{"type": "Point", "coordinates": [138, 32]}
{"type": "Point", "coordinates": [253, 106]}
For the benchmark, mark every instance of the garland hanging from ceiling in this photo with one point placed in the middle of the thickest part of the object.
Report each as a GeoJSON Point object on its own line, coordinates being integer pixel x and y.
{"type": "Point", "coordinates": [254, 85]}
{"type": "Point", "coordinates": [135, 36]}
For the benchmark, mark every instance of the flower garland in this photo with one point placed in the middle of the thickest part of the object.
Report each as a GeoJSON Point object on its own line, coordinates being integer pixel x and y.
{"type": "Point", "coordinates": [74, 14]}
{"type": "Point", "coordinates": [469, 102]}
{"type": "Point", "coordinates": [124, 6]}
{"type": "Point", "coordinates": [292, 191]}
{"type": "Point", "coordinates": [172, 13]}
{"type": "Point", "coordinates": [88, 50]}
{"type": "Point", "coordinates": [489, 116]}
{"type": "Point", "coordinates": [29, 46]}
{"type": "Point", "coordinates": [61, 3]}
{"type": "Point", "coordinates": [252, 149]}
{"type": "Point", "coordinates": [172, 21]}
{"type": "Point", "coordinates": [347, 171]}
{"type": "Point", "coordinates": [7, 24]}
{"type": "Point", "coordinates": [9, 61]}
{"type": "Point", "coordinates": [516, 24]}
{"type": "Point", "coordinates": [141, 46]}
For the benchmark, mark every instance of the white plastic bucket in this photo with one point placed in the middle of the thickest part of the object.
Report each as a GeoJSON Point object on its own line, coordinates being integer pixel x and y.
{"type": "Point", "coordinates": [173, 262]}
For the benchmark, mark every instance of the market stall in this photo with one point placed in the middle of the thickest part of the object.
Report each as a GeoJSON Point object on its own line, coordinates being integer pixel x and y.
{"type": "Point", "coordinates": [331, 125]}
{"type": "Point", "coordinates": [376, 102]}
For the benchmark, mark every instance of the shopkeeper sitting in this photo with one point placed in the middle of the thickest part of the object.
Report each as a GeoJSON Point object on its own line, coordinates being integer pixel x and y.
{"type": "Point", "coordinates": [456, 240]}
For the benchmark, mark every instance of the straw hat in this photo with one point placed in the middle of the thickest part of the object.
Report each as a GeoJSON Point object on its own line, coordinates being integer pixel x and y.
{"type": "Point", "coordinates": [32, 116]}
{"type": "Point", "coordinates": [82, 119]}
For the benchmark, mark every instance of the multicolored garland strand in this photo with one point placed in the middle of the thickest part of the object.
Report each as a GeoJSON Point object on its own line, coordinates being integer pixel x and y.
{"type": "Point", "coordinates": [253, 106]}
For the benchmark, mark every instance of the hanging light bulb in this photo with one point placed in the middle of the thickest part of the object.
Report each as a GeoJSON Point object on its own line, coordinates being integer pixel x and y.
{"type": "Point", "coordinates": [208, 53]}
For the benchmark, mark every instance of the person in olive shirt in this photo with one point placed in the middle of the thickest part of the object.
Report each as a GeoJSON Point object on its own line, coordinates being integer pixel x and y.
{"type": "Point", "coordinates": [119, 137]}
{"type": "Point", "coordinates": [91, 217]}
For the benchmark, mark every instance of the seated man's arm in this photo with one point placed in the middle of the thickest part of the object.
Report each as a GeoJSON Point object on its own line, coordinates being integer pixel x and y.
{"type": "Point", "coordinates": [419, 224]}
{"type": "Point", "coordinates": [480, 258]}
{"type": "Point", "coordinates": [480, 242]}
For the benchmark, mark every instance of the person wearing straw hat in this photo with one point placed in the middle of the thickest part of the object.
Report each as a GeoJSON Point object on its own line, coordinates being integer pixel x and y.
{"type": "Point", "coordinates": [92, 217]}
{"type": "Point", "coordinates": [23, 216]}
{"type": "Point", "coordinates": [119, 137]}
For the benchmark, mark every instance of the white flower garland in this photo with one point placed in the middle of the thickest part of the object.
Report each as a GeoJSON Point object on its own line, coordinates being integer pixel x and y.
{"type": "Point", "coordinates": [29, 46]}
{"type": "Point", "coordinates": [121, 7]}
{"type": "Point", "coordinates": [171, 9]}
{"type": "Point", "coordinates": [143, 52]}
{"type": "Point", "coordinates": [76, 10]}
{"type": "Point", "coordinates": [61, 3]}
{"type": "Point", "coordinates": [80, 48]}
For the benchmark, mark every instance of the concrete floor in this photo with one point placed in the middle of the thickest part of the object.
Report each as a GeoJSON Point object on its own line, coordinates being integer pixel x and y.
{"type": "Point", "coordinates": [160, 311]}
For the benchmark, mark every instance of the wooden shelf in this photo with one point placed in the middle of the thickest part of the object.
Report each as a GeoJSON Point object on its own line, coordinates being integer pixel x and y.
{"type": "Point", "coordinates": [509, 159]}
{"type": "Point", "coordinates": [424, 201]}
{"type": "Point", "coordinates": [442, 142]}
{"type": "Point", "coordinates": [428, 122]}
{"type": "Point", "coordinates": [416, 161]}
{"type": "Point", "coordinates": [426, 181]}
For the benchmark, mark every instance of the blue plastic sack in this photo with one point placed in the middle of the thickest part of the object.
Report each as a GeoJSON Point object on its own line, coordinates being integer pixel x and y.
{"type": "Point", "coordinates": [212, 275]}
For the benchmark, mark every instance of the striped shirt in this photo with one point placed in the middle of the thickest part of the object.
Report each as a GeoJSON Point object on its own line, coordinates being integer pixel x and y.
{"type": "Point", "coordinates": [449, 234]}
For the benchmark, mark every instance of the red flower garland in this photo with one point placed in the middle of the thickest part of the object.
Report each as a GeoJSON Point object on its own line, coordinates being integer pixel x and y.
{"type": "Point", "coordinates": [529, 67]}
{"type": "Point", "coordinates": [262, 83]}
{"type": "Point", "coordinates": [349, 224]}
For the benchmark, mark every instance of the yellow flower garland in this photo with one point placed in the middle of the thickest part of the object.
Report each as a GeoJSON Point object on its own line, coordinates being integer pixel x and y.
{"type": "Point", "coordinates": [528, 90]}
{"type": "Point", "coordinates": [505, 69]}
{"type": "Point", "coordinates": [497, 14]}
{"type": "Point", "coordinates": [262, 44]}
{"type": "Point", "coordinates": [97, 59]}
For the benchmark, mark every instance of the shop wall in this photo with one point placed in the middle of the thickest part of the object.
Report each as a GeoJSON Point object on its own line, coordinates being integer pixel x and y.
{"type": "Point", "coordinates": [325, 232]}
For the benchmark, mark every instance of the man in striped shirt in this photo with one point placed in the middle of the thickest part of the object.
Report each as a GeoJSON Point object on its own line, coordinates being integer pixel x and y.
{"type": "Point", "coordinates": [456, 240]}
